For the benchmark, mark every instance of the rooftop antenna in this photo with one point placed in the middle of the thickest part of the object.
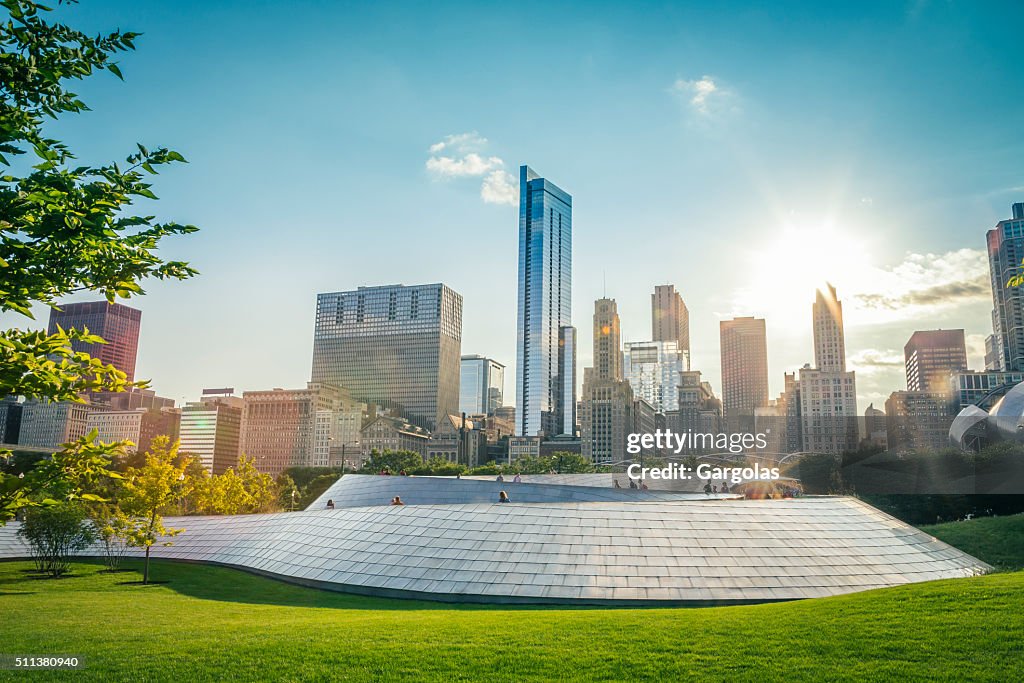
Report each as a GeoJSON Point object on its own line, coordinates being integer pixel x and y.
{"type": "Point", "coordinates": [604, 284]}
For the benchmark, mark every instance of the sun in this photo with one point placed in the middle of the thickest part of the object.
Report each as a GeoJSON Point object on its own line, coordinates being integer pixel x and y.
{"type": "Point", "coordinates": [786, 268]}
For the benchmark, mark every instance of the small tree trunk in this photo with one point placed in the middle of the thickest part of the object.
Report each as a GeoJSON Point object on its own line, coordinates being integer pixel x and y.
{"type": "Point", "coordinates": [145, 571]}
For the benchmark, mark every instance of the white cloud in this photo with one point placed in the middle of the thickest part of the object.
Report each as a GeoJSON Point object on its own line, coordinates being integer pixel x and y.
{"type": "Point", "coordinates": [700, 94]}
{"type": "Point", "coordinates": [461, 143]}
{"type": "Point", "coordinates": [463, 159]}
{"type": "Point", "coordinates": [499, 187]}
{"type": "Point", "coordinates": [470, 165]}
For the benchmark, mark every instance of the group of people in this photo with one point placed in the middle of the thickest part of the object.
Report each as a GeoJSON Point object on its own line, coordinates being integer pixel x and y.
{"type": "Point", "coordinates": [642, 486]}
{"type": "Point", "coordinates": [518, 479]}
{"type": "Point", "coordinates": [713, 488]}
{"type": "Point", "coordinates": [387, 472]}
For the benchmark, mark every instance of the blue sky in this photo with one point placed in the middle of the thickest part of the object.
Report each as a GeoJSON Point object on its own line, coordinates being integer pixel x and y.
{"type": "Point", "coordinates": [720, 149]}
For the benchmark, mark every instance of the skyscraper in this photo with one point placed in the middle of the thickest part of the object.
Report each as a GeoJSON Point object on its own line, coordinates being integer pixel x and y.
{"type": "Point", "coordinates": [653, 369]}
{"type": "Point", "coordinates": [393, 346]}
{"type": "Point", "coordinates": [481, 385]}
{"type": "Point", "coordinates": [670, 319]}
{"type": "Point", "coordinates": [931, 356]}
{"type": "Point", "coordinates": [828, 393]}
{"type": "Point", "coordinates": [607, 406]}
{"type": "Point", "coordinates": [117, 324]}
{"type": "Point", "coordinates": [1005, 250]}
{"type": "Point", "coordinates": [607, 340]}
{"type": "Point", "coordinates": [545, 306]}
{"type": "Point", "coordinates": [744, 366]}
{"type": "Point", "coordinates": [829, 338]}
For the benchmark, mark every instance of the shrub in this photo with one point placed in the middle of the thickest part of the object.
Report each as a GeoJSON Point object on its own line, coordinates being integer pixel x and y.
{"type": "Point", "coordinates": [55, 533]}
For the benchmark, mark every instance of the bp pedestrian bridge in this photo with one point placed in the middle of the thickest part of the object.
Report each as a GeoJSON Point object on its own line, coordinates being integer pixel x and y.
{"type": "Point", "coordinates": [569, 539]}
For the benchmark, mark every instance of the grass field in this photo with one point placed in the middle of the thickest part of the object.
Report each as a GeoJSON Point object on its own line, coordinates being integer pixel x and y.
{"type": "Point", "coordinates": [211, 623]}
{"type": "Point", "coordinates": [997, 540]}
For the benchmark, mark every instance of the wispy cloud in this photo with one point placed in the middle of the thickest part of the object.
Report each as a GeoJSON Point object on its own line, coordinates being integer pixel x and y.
{"type": "Point", "coordinates": [929, 281]}
{"type": "Point", "coordinates": [459, 156]}
{"type": "Point", "coordinates": [705, 95]}
{"type": "Point", "coordinates": [876, 360]}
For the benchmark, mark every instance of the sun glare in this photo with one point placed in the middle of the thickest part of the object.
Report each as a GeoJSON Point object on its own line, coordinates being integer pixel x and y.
{"type": "Point", "coordinates": [788, 267]}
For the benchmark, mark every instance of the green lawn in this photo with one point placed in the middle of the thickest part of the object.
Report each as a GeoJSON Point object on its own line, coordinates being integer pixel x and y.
{"type": "Point", "coordinates": [211, 623]}
{"type": "Point", "coordinates": [996, 540]}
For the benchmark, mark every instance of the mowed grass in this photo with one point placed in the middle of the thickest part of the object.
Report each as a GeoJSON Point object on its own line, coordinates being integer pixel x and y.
{"type": "Point", "coordinates": [996, 540]}
{"type": "Point", "coordinates": [213, 623]}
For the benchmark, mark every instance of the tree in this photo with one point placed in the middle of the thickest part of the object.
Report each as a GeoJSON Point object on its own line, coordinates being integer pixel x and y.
{"type": "Point", "coordinates": [392, 461]}
{"type": "Point", "coordinates": [54, 533]}
{"type": "Point", "coordinates": [149, 491]}
{"type": "Point", "coordinates": [112, 528]}
{"type": "Point", "coordinates": [64, 227]}
{"type": "Point", "coordinates": [314, 488]}
{"type": "Point", "coordinates": [70, 474]}
{"type": "Point", "coordinates": [260, 489]}
{"type": "Point", "coordinates": [287, 492]}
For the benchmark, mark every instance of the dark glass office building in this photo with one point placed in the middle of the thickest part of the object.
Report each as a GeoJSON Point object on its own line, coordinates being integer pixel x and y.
{"type": "Point", "coordinates": [1005, 251]}
{"type": "Point", "coordinates": [393, 346]}
{"type": "Point", "coordinates": [117, 324]}
{"type": "Point", "coordinates": [545, 309]}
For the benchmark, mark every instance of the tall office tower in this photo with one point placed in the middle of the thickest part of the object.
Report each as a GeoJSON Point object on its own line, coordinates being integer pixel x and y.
{"type": "Point", "coordinates": [829, 339]}
{"type": "Point", "coordinates": [931, 356]}
{"type": "Point", "coordinates": [670, 319]}
{"type": "Point", "coordinates": [607, 340]}
{"type": "Point", "coordinates": [279, 426]}
{"type": "Point", "coordinates": [211, 429]}
{"type": "Point", "coordinates": [565, 398]}
{"type": "Point", "coordinates": [117, 324]}
{"type": "Point", "coordinates": [744, 366]}
{"type": "Point", "coordinates": [545, 303]}
{"type": "Point", "coordinates": [652, 369]}
{"type": "Point", "coordinates": [481, 385]}
{"type": "Point", "coordinates": [50, 424]}
{"type": "Point", "coordinates": [606, 408]}
{"type": "Point", "coordinates": [828, 393]}
{"type": "Point", "coordinates": [393, 346]}
{"type": "Point", "coordinates": [1005, 251]}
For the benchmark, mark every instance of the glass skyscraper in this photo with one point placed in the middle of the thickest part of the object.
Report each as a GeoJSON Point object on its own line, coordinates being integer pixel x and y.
{"type": "Point", "coordinates": [481, 385]}
{"type": "Point", "coordinates": [653, 369]}
{"type": "Point", "coordinates": [393, 346]}
{"type": "Point", "coordinates": [545, 348]}
{"type": "Point", "coordinates": [1005, 251]}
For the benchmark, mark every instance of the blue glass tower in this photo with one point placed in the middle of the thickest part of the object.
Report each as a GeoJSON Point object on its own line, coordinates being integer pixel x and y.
{"type": "Point", "coordinates": [545, 368]}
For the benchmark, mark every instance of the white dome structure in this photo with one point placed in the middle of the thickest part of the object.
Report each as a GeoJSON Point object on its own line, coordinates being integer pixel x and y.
{"type": "Point", "coordinates": [565, 544]}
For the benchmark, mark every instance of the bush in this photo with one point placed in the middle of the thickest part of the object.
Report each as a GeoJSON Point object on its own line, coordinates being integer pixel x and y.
{"type": "Point", "coordinates": [112, 527]}
{"type": "Point", "coordinates": [55, 533]}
